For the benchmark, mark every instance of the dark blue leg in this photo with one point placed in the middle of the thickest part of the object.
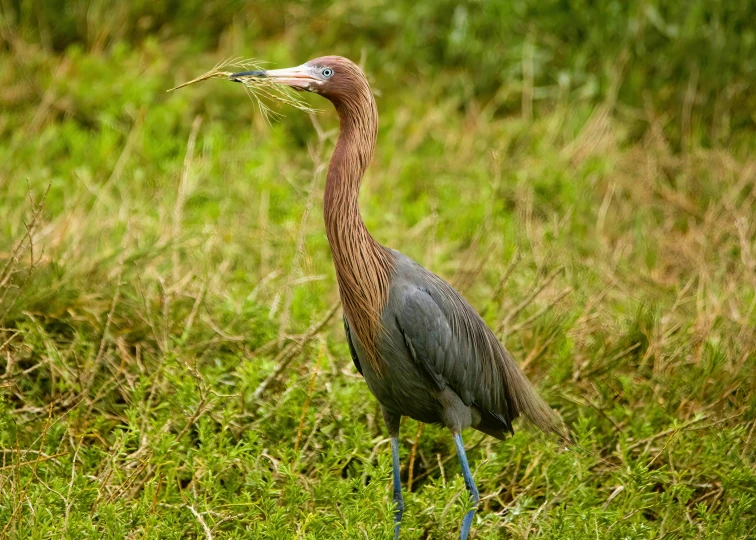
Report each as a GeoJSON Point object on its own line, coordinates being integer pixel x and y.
{"type": "Point", "coordinates": [397, 486]}
{"type": "Point", "coordinates": [467, 521]}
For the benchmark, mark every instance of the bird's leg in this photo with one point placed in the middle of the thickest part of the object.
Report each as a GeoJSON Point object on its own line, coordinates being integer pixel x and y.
{"type": "Point", "coordinates": [467, 520]}
{"type": "Point", "coordinates": [397, 485]}
{"type": "Point", "coordinates": [392, 423]}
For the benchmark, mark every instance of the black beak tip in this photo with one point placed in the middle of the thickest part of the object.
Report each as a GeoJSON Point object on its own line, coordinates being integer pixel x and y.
{"type": "Point", "coordinates": [257, 73]}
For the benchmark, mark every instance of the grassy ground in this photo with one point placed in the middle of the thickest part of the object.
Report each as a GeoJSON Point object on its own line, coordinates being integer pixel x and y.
{"type": "Point", "coordinates": [172, 361]}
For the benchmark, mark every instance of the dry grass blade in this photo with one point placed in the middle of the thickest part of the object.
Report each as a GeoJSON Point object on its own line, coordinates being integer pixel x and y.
{"type": "Point", "coordinates": [259, 89]}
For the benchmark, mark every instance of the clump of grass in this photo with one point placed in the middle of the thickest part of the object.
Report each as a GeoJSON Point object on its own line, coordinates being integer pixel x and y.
{"type": "Point", "coordinates": [259, 89]}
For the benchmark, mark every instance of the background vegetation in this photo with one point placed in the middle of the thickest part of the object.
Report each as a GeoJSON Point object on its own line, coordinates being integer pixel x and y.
{"type": "Point", "coordinates": [172, 361]}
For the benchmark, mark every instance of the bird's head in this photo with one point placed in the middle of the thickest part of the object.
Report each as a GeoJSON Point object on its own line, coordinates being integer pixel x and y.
{"type": "Point", "coordinates": [334, 77]}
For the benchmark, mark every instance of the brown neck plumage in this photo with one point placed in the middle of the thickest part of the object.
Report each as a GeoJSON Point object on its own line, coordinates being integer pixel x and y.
{"type": "Point", "coordinates": [363, 266]}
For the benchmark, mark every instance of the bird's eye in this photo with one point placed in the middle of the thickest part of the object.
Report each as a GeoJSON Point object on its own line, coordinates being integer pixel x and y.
{"type": "Point", "coordinates": [327, 72]}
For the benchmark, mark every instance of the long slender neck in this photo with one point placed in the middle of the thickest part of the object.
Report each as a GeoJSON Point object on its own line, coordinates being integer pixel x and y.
{"type": "Point", "coordinates": [363, 266]}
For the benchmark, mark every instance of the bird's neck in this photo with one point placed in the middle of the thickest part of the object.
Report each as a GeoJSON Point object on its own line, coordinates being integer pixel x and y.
{"type": "Point", "coordinates": [363, 266]}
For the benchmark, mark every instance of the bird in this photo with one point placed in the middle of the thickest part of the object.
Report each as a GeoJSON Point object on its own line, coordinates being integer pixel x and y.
{"type": "Point", "coordinates": [422, 349]}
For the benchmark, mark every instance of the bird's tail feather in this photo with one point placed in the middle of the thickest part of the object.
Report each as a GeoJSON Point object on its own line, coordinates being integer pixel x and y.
{"type": "Point", "coordinates": [529, 404]}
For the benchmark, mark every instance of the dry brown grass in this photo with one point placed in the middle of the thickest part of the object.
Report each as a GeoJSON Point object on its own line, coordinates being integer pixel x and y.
{"type": "Point", "coordinates": [261, 90]}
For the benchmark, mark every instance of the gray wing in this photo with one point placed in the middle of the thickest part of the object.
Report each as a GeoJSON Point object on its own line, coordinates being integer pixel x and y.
{"type": "Point", "coordinates": [454, 350]}
{"type": "Point", "coordinates": [453, 346]}
{"type": "Point", "coordinates": [352, 350]}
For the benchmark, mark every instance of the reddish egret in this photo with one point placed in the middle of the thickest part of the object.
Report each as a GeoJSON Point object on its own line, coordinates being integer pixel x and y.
{"type": "Point", "coordinates": [423, 351]}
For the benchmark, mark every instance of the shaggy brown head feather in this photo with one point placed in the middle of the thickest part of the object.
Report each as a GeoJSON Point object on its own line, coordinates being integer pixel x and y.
{"type": "Point", "coordinates": [363, 266]}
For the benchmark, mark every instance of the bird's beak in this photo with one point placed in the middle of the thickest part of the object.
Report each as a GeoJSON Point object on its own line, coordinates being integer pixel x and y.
{"type": "Point", "coordinates": [300, 77]}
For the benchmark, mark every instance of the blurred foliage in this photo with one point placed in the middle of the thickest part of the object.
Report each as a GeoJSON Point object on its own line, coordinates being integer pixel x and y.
{"type": "Point", "coordinates": [691, 63]}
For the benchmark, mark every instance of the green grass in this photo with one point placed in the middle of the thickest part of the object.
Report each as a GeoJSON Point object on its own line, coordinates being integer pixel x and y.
{"type": "Point", "coordinates": [163, 255]}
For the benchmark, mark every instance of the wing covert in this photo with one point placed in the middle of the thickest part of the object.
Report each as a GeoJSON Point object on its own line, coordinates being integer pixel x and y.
{"type": "Point", "coordinates": [434, 346]}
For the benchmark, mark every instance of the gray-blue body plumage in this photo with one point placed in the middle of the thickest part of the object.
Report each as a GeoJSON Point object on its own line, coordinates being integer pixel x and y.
{"type": "Point", "coordinates": [442, 362]}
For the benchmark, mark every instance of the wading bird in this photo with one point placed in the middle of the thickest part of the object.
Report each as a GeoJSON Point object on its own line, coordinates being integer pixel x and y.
{"type": "Point", "coordinates": [422, 349]}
